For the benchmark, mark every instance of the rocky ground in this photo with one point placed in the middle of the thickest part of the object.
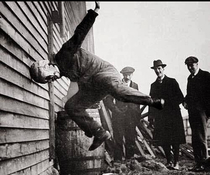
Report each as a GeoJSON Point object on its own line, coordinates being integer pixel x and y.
{"type": "Point", "coordinates": [150, 166]}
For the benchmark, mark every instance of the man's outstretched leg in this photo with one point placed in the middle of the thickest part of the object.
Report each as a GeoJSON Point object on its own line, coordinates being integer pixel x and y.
{"type": "Point", "coordinates": [131, 95]}
{"type": "Point", "coordinates": [109, 80]}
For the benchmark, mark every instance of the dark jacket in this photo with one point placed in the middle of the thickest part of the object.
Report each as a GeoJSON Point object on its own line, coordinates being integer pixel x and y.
{"type": "Point", "coordinates": [168, 123]}
{"type": "Point", "coordinates": [77, 64]}
{"type": "Point", "coordinates": [198, 92]}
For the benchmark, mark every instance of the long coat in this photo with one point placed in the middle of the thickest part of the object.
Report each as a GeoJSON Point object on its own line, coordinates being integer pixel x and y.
{"type": "Point", "coordinates": [168, 122]}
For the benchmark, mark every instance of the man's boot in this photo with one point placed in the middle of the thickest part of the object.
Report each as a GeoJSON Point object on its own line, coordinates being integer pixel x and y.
{"type": "Point", "coordinates": [158, 103]}
{"type": "Point", "coordinates": [100, 136]}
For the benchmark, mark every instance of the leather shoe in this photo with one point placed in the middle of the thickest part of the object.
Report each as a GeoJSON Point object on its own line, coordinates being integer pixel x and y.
{"type": "Point", "coordinates": [176, 167]}
{"type": "Point", "coordinates": [169, 165]}
{"type": "Point", "coordinates": [99, 139]}
{"type": "Point", "coordinates": [158, 103]}
{"type": "Point", "coordinates": [197, 168]}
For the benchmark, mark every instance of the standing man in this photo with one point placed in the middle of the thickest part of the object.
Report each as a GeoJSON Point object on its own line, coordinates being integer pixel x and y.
{"type": "Point", "coordinates": [168, 123]}
{"type": "Point", "coordinates": [94, 78]}
{"type": "Point", "coordinates": [197, 101]}
{"type": "Point", "coordinates": [124, 119]}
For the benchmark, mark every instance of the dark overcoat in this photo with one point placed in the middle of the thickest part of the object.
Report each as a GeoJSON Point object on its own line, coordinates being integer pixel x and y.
{"type": "Point", "coordinates": [168, 122]}
{"type": "Point", "coordinates": [198, 92]}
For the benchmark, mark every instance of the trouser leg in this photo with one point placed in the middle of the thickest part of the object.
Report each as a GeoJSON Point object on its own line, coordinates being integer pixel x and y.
{"type": "Point", "coordinates": [176, 152]}
{"type": "Point", "coordinates": [124, 93]}
{"type": "Point", "coordinates": [76, 108]}
{"type": "Point", "coordinates": [110, 81]}
{"type": "Point", "coordinates": [118, 132]}
{"type": "Point", "coordinates": [167, 150]}
{"type": "Point", "coordinates": [198, 122]}
{"type": "Point", "coordinates": [130, 134]}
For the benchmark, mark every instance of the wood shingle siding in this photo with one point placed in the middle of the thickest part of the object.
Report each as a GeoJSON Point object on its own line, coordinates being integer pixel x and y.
{"type": "Point", "coordinates": [24, 104]}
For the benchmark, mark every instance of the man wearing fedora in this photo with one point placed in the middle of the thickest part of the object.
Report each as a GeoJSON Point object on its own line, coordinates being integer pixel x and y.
{"type": "Point", "coordinates": [167, 123]}
{"type": "Point", "coordinates": [124, 119]}
{"type": "Point", "coordinates": [197, 102]}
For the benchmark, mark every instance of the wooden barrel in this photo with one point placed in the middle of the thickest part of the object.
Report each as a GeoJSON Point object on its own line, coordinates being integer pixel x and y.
{"type": "Point", "coordinates": [72, 149]}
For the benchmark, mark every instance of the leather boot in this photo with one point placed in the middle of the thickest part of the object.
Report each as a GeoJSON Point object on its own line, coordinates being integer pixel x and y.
{"type": "Point", "coordinates": [101, 135]}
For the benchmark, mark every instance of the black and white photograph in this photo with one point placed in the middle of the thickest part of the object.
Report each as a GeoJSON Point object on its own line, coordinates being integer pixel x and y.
{"type": "Point", "coordinates": [104, 87]}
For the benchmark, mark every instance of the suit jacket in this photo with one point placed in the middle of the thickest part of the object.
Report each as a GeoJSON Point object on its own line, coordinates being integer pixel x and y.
{"type": "Point", "coordinates": [198, 92]}
{"type": "Point", "coordinates": [168, 122]}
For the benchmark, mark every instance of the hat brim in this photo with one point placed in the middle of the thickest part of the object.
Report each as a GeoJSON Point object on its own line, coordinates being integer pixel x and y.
{"type": "Point", "coordinates": [126, 72]}
{"type": "Point", "coordinates": [190, 62]}
{"type": "Point", "coordinates": [163, 65]}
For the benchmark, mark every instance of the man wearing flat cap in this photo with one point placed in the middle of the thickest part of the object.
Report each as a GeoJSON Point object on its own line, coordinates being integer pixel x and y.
{"type": "Point", "coordinates": [124, 119]}
{"type": "Point", "coordinates": [197, 102]}
{"type": "Point", "coordinates": [168, 124]}
{"type": "Point", "coordinates": [128, 70]}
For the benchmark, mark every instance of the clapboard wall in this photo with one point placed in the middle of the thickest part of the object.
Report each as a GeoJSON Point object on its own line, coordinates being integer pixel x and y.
{"type": "Point", "coordinates": [24, 104]}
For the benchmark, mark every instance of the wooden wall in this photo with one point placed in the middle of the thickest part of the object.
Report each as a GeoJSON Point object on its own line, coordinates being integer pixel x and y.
{"type": "Point", "coordinates": [24, 104]}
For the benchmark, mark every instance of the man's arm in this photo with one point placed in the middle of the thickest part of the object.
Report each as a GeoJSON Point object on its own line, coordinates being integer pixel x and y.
{"type": "Point", "coordinates": [82, 29]}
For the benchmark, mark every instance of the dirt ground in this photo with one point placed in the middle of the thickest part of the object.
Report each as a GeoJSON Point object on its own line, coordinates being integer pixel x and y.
{"type": "Point", "coordinates": [139, 165]}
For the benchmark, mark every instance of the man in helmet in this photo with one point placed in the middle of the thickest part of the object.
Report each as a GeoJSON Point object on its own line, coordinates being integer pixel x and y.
{"type": "Point", "coordinates": [94, 77]}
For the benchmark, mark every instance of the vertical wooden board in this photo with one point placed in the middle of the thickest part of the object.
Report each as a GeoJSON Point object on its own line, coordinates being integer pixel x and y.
{"type": "Point", "coordinates": [69, 18]}
{"type": "Point", "coordinates": [79, 14]}
{"type": "Point", "coordinates": [105, 118]}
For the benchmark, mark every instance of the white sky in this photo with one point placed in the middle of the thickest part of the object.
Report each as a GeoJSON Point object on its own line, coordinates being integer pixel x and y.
{"type": "Point", "coordinates": [137, 33]}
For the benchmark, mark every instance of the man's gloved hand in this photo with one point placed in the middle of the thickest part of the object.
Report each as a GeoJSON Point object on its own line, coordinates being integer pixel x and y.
{"type": "Point", "coordinates": [97, 6]}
